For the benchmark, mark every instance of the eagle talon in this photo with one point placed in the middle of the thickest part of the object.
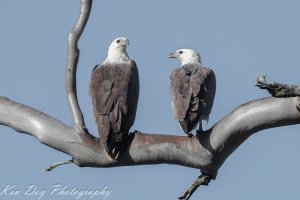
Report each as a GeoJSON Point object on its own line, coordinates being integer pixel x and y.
{"type": "Point", "coordinates": [113, 151]}
{"type": "Point", "coordinates": [116, 156]}
{"type": "Point", "coordinates": [109, 156]}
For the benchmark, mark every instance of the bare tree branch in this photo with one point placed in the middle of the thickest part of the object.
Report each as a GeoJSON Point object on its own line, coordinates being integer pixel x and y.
{"type": "Point", "coordinates": [73, 57]}
{"type": "Point", "coordinates": [207, 152]}
{"type": "Point", "coordinates": [277, 89]}
{"type": "Point", "coordinates": [53, 166]}
{"type": "Point", "coordinates": [203, 179]}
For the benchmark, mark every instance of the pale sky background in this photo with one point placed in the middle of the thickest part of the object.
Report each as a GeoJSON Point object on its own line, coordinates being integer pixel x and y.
{"type": "Point", "coordinates": [237, 39]}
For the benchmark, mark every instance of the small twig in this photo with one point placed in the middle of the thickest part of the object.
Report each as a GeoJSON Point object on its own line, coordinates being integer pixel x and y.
{"type": "Point", "coordinates": [51, 167]}
{"type": "Point", "coordinates": [203, 179]}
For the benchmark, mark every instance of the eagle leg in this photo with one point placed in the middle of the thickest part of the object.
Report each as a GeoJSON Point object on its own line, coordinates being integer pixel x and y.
{"type": "Point", "coordinates": [190, 134]}
{"type": "Point", "coordinates": [200, 129]}
{"type": "Point", "coordinates": [203, 179]}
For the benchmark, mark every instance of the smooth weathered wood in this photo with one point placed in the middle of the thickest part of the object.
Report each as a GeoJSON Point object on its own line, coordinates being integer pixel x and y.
{"type": "Point", "coordinates": [71, 68]}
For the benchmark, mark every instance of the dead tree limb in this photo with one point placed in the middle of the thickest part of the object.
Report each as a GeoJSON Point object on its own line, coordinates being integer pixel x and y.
{"type": "Point", "coordinates": [71, 68]}
{"type": "Point", "coordinates": [203, 179]}
{"type": "Point", "coordinates": [277, 89]}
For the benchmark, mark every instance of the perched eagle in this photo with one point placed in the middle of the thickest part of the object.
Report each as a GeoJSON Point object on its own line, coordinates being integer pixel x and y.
{"type": "Point", "coordinates": [193, 88]}
{"type": "Point", "coordinates": [114, 88]}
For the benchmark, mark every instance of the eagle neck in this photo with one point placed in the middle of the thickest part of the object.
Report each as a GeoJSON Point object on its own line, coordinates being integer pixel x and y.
{"type": "Point", "coordinates": [189, 63]}
{"type": "Point", "coordinates": [117, 57]}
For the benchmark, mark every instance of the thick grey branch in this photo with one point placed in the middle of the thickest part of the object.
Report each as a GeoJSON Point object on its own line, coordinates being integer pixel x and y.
{"type": "Point", "coordinates": [249, 118]}
{"type": "Point", "coordinates": [73, 56]}
{"type": "Point", "coordinates": [206, 152]}
{"type": "Point", "coordinates": [46, 129]}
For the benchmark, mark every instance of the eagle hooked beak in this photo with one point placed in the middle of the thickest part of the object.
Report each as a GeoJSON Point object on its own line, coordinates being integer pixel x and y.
{"type": "Point", "coordinates": [125, 42]}
{"type": "Point", "coordinates": [172, 55]}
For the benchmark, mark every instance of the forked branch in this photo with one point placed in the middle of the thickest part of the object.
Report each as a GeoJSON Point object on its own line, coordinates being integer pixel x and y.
{"type": "Point", "coordinates": [207, 151]}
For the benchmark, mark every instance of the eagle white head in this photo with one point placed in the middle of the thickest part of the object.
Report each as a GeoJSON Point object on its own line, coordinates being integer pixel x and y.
{"type": "Point", "coordinates": [186, 56]}
{"type": "Point", "coordinates": [116, 52]}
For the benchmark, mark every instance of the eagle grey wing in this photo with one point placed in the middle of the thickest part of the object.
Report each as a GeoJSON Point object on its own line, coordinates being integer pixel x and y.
{"type": "Point", "coordinates": [101, 84]}
{"type": "Point", "coordinates": [180, 92]}
{"type": "Point", "coordinates": [133, 93]}
{"type": "Point", "coordinates": [203, 84]}
{"type": "Point", "coordinates": [125, 93]}
{"type": "Point", "coordinates": [193, 90]}
{"type": "Point", "coordinates": [123, 114]}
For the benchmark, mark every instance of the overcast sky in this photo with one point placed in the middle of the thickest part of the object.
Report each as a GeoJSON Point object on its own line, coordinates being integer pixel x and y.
{"type": "Point", "coordinates": [237, 39]}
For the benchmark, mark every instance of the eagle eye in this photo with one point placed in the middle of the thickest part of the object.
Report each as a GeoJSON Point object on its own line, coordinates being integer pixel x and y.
{"type": "Point", "coordinates": [180, 52]}
{"type": "Point", "coordinates": [118, 41]}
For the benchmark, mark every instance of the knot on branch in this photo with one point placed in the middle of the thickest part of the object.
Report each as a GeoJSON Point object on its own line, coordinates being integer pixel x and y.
{"type": "Point", "coordinates": [277, 89]}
